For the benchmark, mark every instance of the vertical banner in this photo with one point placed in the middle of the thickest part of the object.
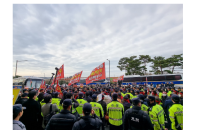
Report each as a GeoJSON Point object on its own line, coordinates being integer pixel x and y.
{"type": "Point", "coordinates": [60, 74]}
{"type": "Point", "coordinates": [58, 89]}
{"type": "Point", "coordinates": [42, 86]}
{"type": "Point", "coordinates": [75, 78]}
{"type": "Point", "coordinates": [97, 74]}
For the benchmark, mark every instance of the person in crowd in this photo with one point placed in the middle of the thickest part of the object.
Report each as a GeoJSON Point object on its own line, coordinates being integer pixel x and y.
{"type": "Point", "coordinates": [46, 108]}
{"type": "Point", "coordinates": [81, 102]}
{"type": "Point", "coordinates": [168, 103]}
{"type": "Point", "coordinates": [126, 102]}
{"type": "Point", "coordinates": [135, 118]}
{"type": "Point", "coordinates": [17, 114]}
{"type": "Point", "coordinates": [75, 104]}
{"type": "Point", "coordinates": [130, 94]}
{"type": "Point", "coordinates": [171, 84]}
{"type": "Point", "coordinates": [23, 99]}
{"type": "Point", "coordinates": [156, 114]}
{"type": "Point", "coordinates": [63, 120]}
{"type": "Point", "coordinates": [40, 118]}
{"type": "Point", "coordinates": [31, 113]}
{"type": "Point", "coordinates": [176, 113]}
{"type": "Point", "coordinates": [181, 98]}
{"type": "Point", "coordinates": [167, 84]}
{"type": "Point", "coordinates": [164, 97]}
{"type": "Point", "coordinates": [162, 85]}
{"type": "Point", "coordinates": [56, 100]}
{"type": "Point", "coordinates": [169, 91]}
{"type": "Point", "coordinates": [119, 98]}
{"type": "Point", "coordinates": [136, 94]}
{"type": "Point", "coordinates": [88, 122]}
{"type": "Point", "coordinates": [115, 112]}
{"type": "Point", "coordinates": [97, 108]}
{"type": "Point", "coordinates": [87, 98]}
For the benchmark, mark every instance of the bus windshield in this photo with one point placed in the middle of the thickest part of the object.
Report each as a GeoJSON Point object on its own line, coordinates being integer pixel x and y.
{"type": "Point", "coordinates": [35, 83]}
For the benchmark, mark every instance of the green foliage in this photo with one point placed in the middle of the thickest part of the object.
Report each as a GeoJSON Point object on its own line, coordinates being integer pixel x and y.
{"type": "Point", "coordinates": [159, 62]}
{"type": "Point", "coordinates": [17, 76]}
{"type": "Point", "coordinates": [175, 60]}
{"type": "Point", "coordinates": [131, 65]}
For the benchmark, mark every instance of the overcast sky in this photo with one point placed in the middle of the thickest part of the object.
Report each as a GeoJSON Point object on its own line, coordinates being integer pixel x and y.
{"type": "Point", "coordinates": [83, 36]}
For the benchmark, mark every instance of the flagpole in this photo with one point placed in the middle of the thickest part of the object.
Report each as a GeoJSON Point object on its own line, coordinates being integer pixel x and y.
{"type": "Point", "coordinates": [51, 78]}
{"type": "Point", "coordinates": [55, 75]}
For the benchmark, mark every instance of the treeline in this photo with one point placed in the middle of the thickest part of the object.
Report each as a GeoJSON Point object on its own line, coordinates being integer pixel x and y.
{"type": "Point", "coordinates": [137, 66]}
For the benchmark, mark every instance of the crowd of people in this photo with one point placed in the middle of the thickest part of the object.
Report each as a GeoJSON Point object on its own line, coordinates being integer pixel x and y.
{"type": "Point", "coordinates": [95, 107]}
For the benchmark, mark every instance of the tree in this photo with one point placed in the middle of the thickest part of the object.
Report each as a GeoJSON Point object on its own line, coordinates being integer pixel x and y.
{"type": "Point", "coordinates": [175, 60]}
{"type": "Point", "coordinates": [159, 62]}
{"type": "Point", "coordinates": [131, 65]}
{"type": "Point", "coordinates": [145, 59]}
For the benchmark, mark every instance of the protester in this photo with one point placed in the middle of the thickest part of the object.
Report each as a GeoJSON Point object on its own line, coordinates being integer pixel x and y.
{"type": "Point", "coordinates": [81, 102]}
{"type": "Point", "coordinates": [63, 120]}
{"type": "Point", "coordinates": [17, 114]}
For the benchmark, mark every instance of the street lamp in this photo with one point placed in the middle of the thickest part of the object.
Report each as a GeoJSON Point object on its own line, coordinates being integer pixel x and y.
{"type": "Point", "coordinates": [109, 73]}
{"type": "Point", "coordinates": [16, 66]}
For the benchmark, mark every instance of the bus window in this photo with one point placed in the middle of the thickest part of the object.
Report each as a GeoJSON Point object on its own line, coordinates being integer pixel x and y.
{"type": "Point", "coordinates": [158, 78]}
{"type": "Point", "coordinates": [136, 79]}
{"type": "Point", "coordinates": [178, 77]}
{"type": "Point", "coordinates": [170, 77]}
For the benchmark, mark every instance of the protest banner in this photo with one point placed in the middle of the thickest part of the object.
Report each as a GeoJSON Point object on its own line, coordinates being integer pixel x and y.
{"type": "Point", "coordinates": [15, 94]}
{"type": "Point", "coordinates": [60, 73]}
{"type": "Point", "coordinates": [97, 74]}
{"type": "Point", "coordinates": [75, 78]}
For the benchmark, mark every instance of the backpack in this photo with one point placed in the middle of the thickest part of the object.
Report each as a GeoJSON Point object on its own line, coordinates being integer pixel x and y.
{"type": "Point", "coordinates": [48, 117]}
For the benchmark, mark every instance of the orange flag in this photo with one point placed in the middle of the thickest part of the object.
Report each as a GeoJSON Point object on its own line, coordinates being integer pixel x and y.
{"type": "Point", "coordinates": [97, 74]}
{"type": "Point", "coordinates": [42, 86]}
{"type": "Point", "coordinates": [58, 89]}
{"type": "Point", "coordinates": [75, 78]}
{"type": "Point", "coordinates": [60, 73]}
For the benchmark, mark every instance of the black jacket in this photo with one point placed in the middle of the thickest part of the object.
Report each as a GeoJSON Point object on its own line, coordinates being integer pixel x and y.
{"type": "Point", "coordinates": [88, 123]}
{"type": "Point", "coordinates": [126, 105]}
{"type": "Point", "coordinates": [104, 106]}
{"type": "Point", "coordinates": [21, 101]}
{"type": "Point", "coordinates": [88, 99]}
{"type": "Point", "coordinates": [31, 114]}
{"type": "Point", "coordinates": [62, 121]}
{"type": "Point", "coordinates": [136, 119]}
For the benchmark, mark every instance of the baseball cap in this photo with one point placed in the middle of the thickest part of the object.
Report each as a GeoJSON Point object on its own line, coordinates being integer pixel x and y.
{"type": "Point", "coordinates": [135, 101]}
{"type": "Point", "coordinates": [80, 94]}
{"type": "Point", "coordinates": [94, 96]}
{"type": "Point", "coordinates": [115, 95]}
{"type": "Point", "coordinates": [175, 98]}
{"type": "Point", "coordinates": [17, 108]}
{"type": "Point", "coordinates": [151, 97]}
{"type": "Point", "coordinates": [67, 102]}
{"type": "Point", "coordinates": [87, 108]}
{"type": "Point", "coordinates": [140, 96]}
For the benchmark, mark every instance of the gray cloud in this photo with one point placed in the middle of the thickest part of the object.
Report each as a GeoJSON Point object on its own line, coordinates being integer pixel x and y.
{"type": "Point", "coordinates": [83, 36]}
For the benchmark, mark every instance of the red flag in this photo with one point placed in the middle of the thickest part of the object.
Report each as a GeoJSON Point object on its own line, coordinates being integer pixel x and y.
{"type": "Point", "coordinates": [60, 73]}
{"type": "Point", "coordinates": [75, 78]}
{"type": "Point", "coordinates": [121, 77]}
{"type": "Point", "coordinates": [97, 74]}
{"type": "Point", "coordinates": [58, 89]}
{"type": "Point", "coordinates": [42, 86]}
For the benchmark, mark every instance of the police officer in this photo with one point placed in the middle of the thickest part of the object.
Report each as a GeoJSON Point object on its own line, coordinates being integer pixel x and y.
{"type": "Point", "coordinates": [136, 94]}
{"type": "Point", "coordinates": [130, 94]}
{"type": "Point", "coordinates": [75, 104]}
{"type": "Point", "coordinates": [56, 100]}
{"type": "Point", "coordinates": [17, 113]}
{"type": "Point", "coordinates": [115, 112]}
{"type": "Point", "coordinates": [97, 108]}
{"type": "Point", "coordinates": [143, 106]}
{"type": "Point", "coordinates": [169, 91]}
{"type": "Point", "coordinates": [156, 114]}
{"type": "Point", "coordinates": [81, 102]}
{"type": "Point", "coordinates": [135, 118]}
{"type": "Point", "coordinates": [176, 114]}
{"type": "Point", "coordinates": [88, 122]}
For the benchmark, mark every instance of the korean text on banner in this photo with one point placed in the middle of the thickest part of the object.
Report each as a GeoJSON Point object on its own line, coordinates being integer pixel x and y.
{"type": "Point", "coordinates": [15, 94]}
{"type": "Point", "coordinates": [60, 73]}
{"type": "Point", "coordinates": [75, 78]}
{"type": "Point", "coordinates": [97, 74]}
